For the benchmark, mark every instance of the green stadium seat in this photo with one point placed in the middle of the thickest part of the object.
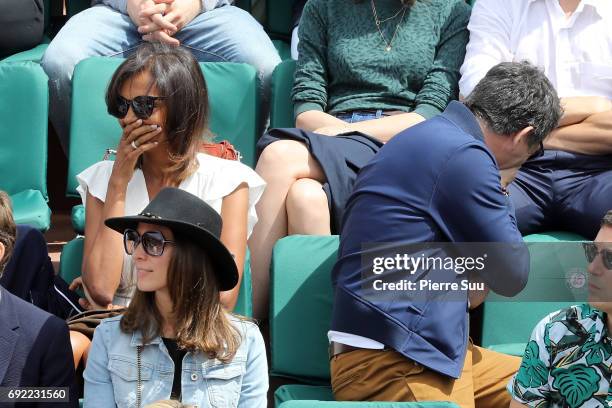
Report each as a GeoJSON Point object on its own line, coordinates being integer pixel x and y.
{"type": "Point", "coordinates": [232, 88]}
{"type": "Point", "coordinates": [283, 48]}
{"type": "Point", "coordinates": [300, 312]}
{"type": "Point", "coordinates": [72, 257]}
{"type": "Point", "coordinates": [281, 107]}
{"type": "Point", "coordinates": [30, 207]}
{"type": "Point", "coordinates": [355, 404]}
{"type": "Point", "coordinates": [35, 54]}
{"type": "Point", "coordinates": [23, 137]}
{"type": "Point", "coordinates": [279, 14]}
{"type": "Point", "coordinates": [78, 219]}
{"type": "Point", "coordinates": [508, 322]}
{"type": "Point", "coordinates": [300, 306]}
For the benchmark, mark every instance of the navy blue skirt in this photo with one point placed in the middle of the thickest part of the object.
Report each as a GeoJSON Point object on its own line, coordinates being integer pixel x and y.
{"type": "Point", "coordinates": [341, 157]}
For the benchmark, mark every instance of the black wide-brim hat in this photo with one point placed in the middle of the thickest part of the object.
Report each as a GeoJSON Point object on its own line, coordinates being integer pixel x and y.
{"type": "Point", "coordinates": [189, 217]}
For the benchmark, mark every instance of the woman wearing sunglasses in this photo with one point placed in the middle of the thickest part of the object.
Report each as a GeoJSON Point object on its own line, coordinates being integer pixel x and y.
{"type": "Point", "coordinates": [159, 96]}
{"type": "Point", "coordinates": [175, 340]}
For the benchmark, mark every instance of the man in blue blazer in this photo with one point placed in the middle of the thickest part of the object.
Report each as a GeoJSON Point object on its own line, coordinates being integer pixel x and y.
{"type": "Point", "coordinates": [35, 346]}
{"type": "Point", "coordinates": [428, 191]}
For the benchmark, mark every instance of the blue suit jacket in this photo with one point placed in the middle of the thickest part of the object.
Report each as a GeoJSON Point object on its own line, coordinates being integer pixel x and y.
{"type": "Point", "coordinates": [35, 349]}
{"type": "Point", "coordinates": [436, 182]}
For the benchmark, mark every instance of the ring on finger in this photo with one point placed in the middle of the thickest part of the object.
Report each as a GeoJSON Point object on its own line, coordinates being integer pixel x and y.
{"type": "Point", "coordinates": [134, 145]}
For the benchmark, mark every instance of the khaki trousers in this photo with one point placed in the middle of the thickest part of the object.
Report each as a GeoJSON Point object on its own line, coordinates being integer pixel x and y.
{"type": "Point", "coordinates": [386, 375]}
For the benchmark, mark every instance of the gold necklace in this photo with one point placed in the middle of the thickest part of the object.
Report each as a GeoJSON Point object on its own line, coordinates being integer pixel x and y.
{"type": "Point", "coordinates": [389, 18]}
{"type": "Point", "coordinates": [378, 22]}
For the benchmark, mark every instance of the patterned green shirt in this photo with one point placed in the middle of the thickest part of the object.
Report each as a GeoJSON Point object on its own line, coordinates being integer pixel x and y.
{"type": "Point", "coordinates": [567, 362]}
{"type": "Point", "coordinates": [343, 63]}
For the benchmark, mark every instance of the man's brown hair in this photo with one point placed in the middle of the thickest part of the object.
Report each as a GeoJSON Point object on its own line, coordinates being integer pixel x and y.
{"type": "Point", "coordinates": [8, 230]}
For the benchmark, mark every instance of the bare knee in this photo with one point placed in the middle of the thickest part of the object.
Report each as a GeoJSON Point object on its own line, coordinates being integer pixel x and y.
{"type": "Point", "coordinates": [307, 208]}
{"type": "Point", "coordinates": [286, 159]}
{"type": "Point", "coordinates": [282, 153]}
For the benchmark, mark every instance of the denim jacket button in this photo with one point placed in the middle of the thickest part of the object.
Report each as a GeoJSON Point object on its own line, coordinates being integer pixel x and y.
{"type": "Point", "coordinates": [194, 377]}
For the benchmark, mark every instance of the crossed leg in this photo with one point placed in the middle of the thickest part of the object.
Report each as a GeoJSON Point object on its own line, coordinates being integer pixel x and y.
{"type": "Point", "coordinates": [293, 203]}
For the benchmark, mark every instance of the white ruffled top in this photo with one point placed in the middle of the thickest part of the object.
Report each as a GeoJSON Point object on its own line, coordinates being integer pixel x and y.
{"type": "Point", "coordinates": [214, 179]}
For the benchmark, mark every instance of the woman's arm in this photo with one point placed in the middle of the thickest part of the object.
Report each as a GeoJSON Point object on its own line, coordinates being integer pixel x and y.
{"type": "Point", "coordinates": [103, 249]}
{"type": "Point", "coordinates": [383, 129]}
{"type": "Point", "coordinates": [309, 94]}
{"type": "Point", "coordinates": [313, 120]}
{"type": "Point", "coordinates": [234, 235]}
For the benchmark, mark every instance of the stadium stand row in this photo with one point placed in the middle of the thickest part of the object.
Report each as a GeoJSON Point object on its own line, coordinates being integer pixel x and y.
{"type": "Point", "coordinates": [301, 296]}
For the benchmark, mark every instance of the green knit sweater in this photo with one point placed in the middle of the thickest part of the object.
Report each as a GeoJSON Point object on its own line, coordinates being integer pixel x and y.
{"type": "Point", "coordinates": [344, 65]}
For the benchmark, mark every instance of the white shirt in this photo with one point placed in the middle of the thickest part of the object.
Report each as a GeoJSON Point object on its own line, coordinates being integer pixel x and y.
{"type": "Point", "coordinates": [214, 179]}
{"type": "Point", "coordinates": [575, 52]}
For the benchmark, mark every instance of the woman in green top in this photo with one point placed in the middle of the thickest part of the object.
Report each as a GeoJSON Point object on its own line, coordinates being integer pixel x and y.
{"type": "Point", "coordinates": [371, 66]}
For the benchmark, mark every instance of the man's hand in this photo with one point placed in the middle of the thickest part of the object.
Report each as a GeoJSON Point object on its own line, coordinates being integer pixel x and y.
{"type": "Point", "coordinates": [151, 17]}
{"type": "Point", "coordinates": [86, 303]}
{"type": "Point", "coordinates": [148, 15]}
{"type": "Point", "coordinates": [180, 12]}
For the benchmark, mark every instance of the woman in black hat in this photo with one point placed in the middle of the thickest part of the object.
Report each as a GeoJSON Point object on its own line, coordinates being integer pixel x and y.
{"type": "Point", "coordinates": [160, 98]}
{"type": "Point", "coordinates": [176, 340]}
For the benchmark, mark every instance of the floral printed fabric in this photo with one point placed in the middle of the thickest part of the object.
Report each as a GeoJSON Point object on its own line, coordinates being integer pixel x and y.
{"type": "Point", "coordinates": [567, 362]}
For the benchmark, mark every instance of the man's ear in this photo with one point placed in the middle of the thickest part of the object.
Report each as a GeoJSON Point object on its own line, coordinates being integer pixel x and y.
{"type": "Point", "coordinates": [521, 135]}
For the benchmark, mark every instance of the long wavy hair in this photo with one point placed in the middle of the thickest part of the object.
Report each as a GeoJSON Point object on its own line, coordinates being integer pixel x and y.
{"type": "Point", "coordinates": [177, 76]}
{"type": "Point", "coordinates": [201, 322]}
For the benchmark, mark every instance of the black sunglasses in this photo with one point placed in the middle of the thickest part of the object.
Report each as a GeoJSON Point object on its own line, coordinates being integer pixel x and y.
{"type": "Point", "coordinates": [538, 153]}
{"type": "Point", "coordinates": [142, 105]}
{"type": "Point", "coordinates": [153, 242]}
{"type": "Point", "coordinates": [591, 252]}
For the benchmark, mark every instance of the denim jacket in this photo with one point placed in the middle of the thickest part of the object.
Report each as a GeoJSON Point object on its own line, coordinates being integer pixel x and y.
{"type": "Point", "coordinates": [111, 373]}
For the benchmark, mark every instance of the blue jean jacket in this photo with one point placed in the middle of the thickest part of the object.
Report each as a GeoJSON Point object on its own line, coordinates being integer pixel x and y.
{"type": "Point", "coordinates": [111, 373]}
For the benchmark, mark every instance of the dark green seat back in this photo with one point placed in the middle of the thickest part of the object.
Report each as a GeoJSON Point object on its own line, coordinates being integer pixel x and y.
{"type": "Point", "coordinates": [23, 139]}
{"type": "Point", "coordinates": [281, 109]}
{"type": "Point", "coordinates": [232, 92]}
{"type": "Point", "coordinates": [76, 6]}
{"type": "Point", "coordinates": [278, 15]}
{"type": "Point", "coordinates": [508, 323]}
{"type": "Point", "coordinates": [300, 306]}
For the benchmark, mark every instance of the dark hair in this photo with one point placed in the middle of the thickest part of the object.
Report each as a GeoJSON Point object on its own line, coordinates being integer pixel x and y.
{"type": "Point", "coordinates": [8, 230]}
{"type": "Point", "coordinates": [202, 324]}
{"type": "Point", "coordinates": [514, 95]}
{"type": "Point", "coordinates": [178, 77]}
{"type": "Point", "coordinates": [607, 219]}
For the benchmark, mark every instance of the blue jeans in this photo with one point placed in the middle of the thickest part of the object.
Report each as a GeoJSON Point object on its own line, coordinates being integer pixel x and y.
{"type": "Point", "coordinates": [226, 33]}
{"type": "Point", "coordinates": [360, 116]}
